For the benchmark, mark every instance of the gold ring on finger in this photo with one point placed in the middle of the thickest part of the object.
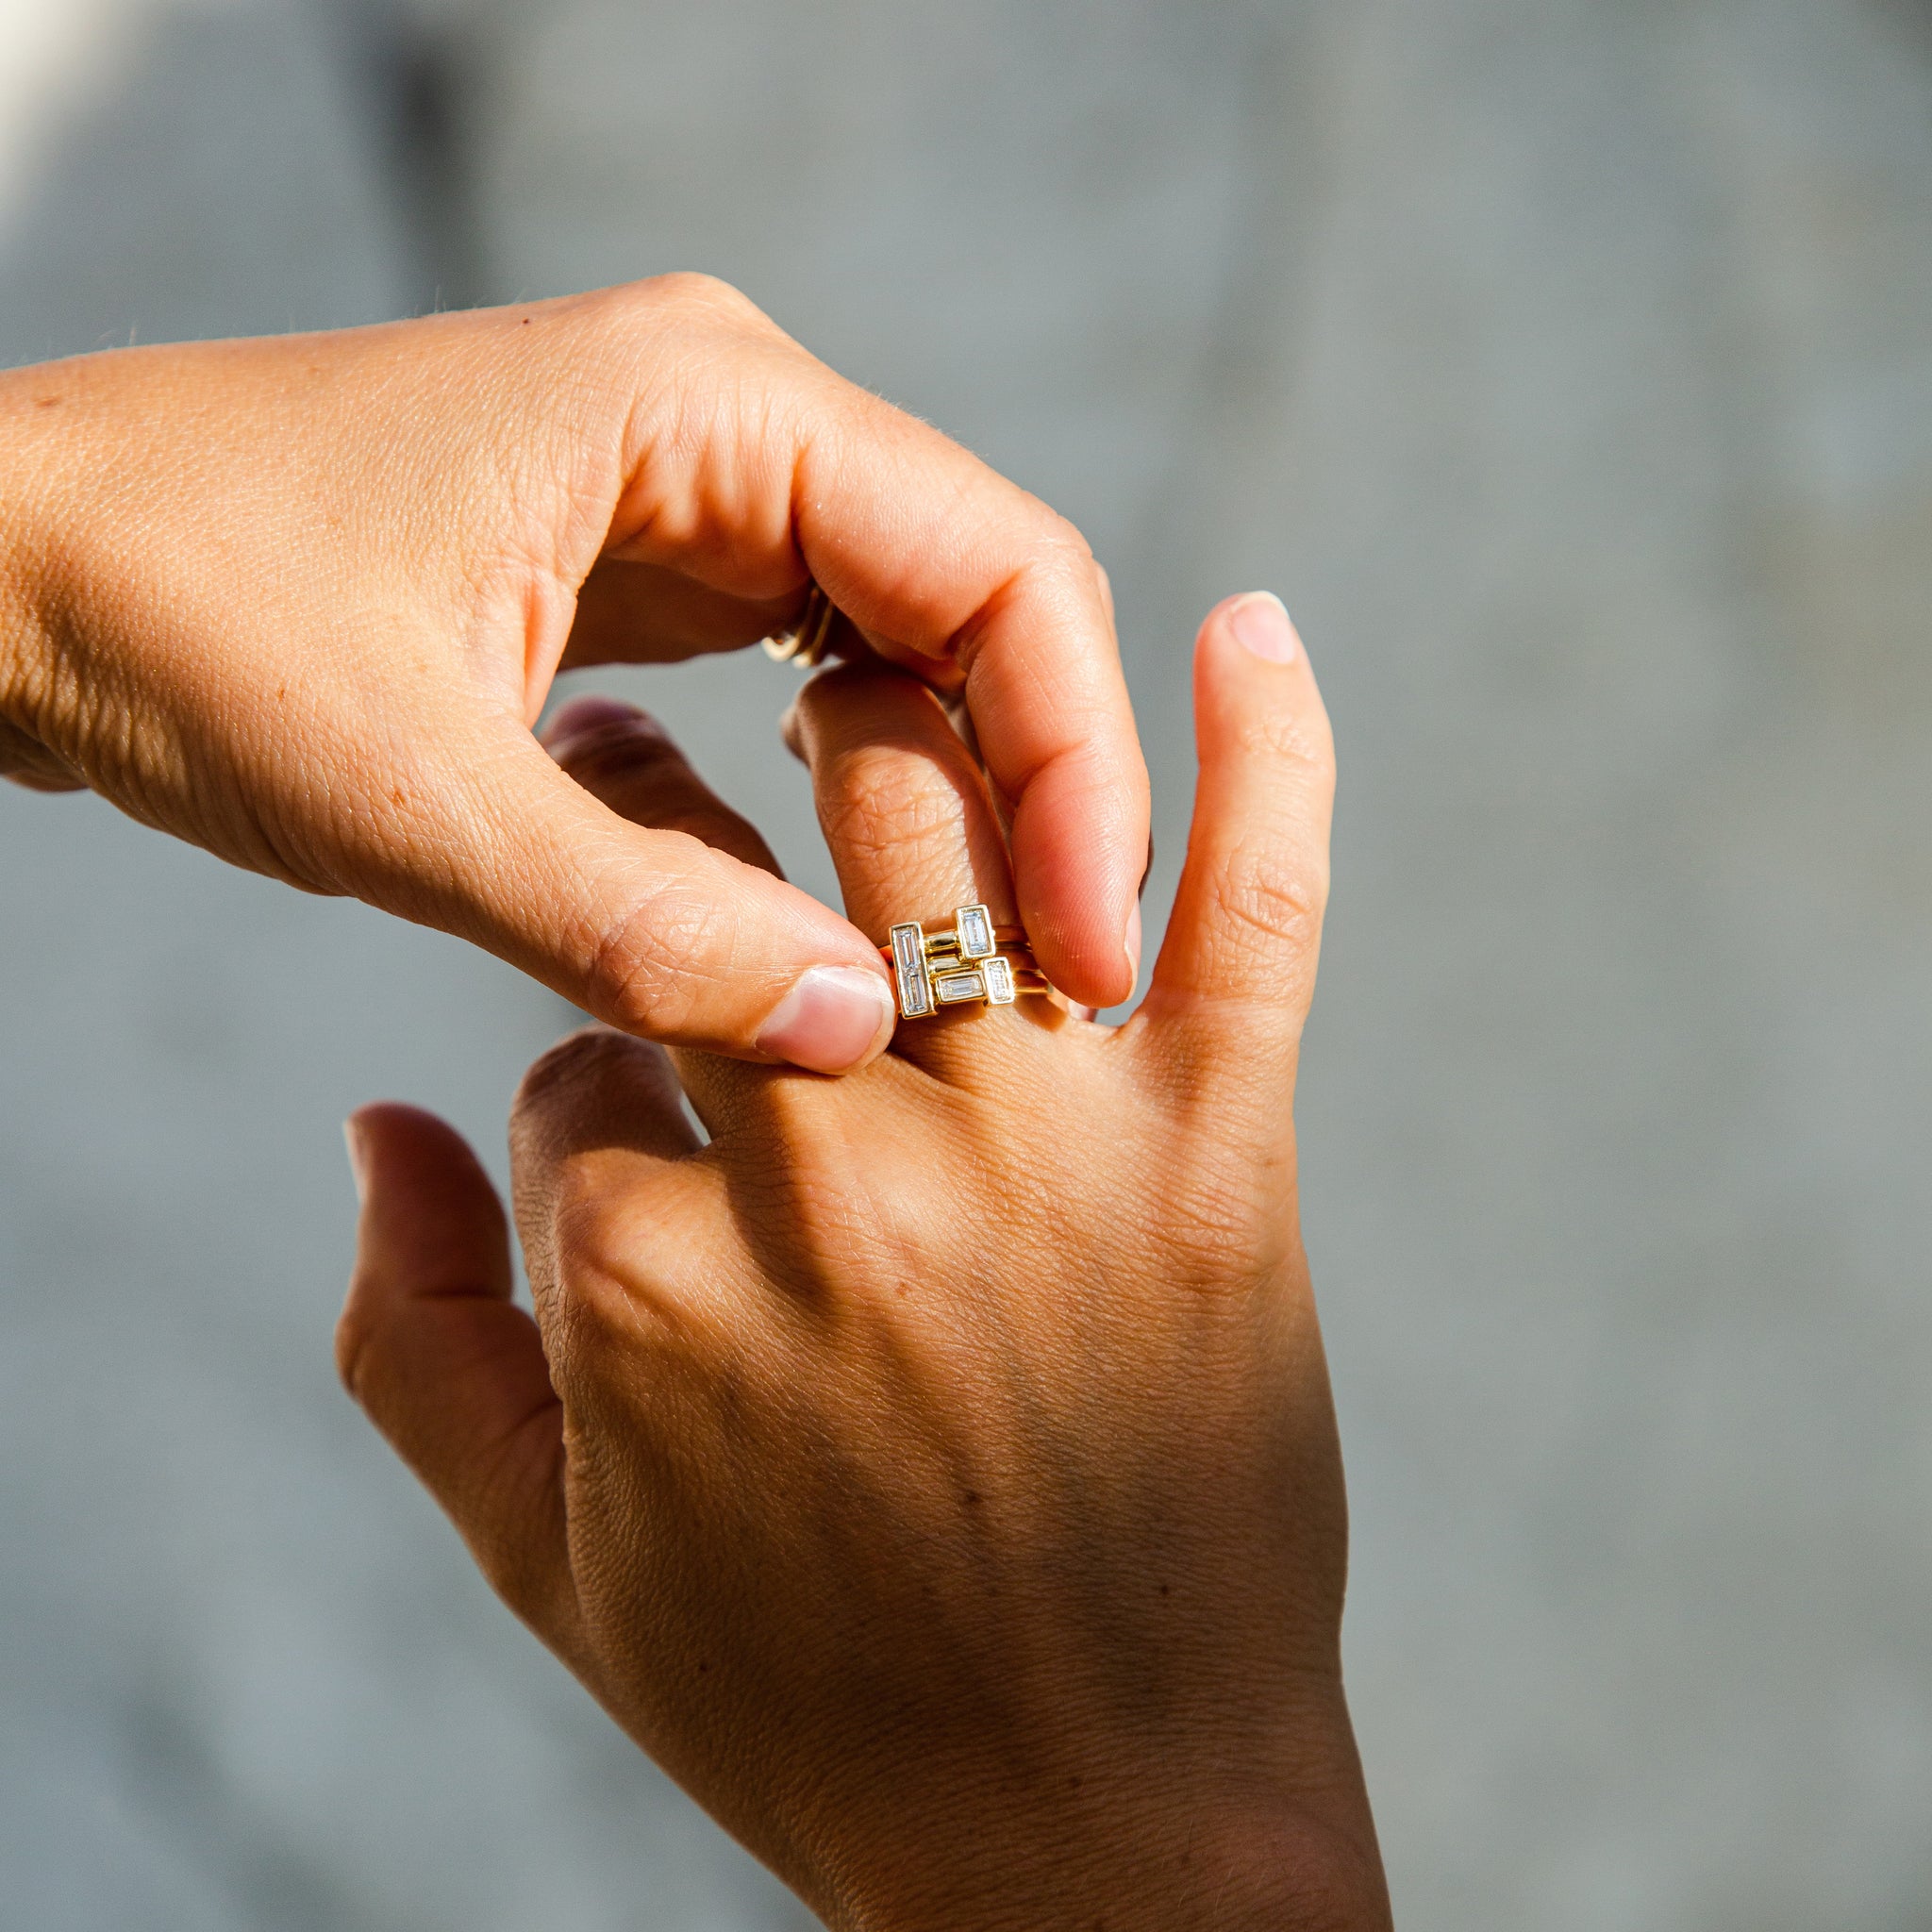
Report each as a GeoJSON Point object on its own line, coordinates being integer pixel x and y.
{"type": "Point", "coordinates": [806, 642]}
{"type": "Point", "coordinates": [975, 962]}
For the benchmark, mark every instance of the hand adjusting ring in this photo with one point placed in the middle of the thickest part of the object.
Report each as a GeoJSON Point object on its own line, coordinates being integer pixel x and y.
{"type": "Point", "coordinates": [976, 961]}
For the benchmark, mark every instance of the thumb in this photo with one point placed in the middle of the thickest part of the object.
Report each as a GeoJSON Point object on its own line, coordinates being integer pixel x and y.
{"type": "Point", "coordinates": [651, 930]}
{"type": "Point", "coordinates": [447, 1367]}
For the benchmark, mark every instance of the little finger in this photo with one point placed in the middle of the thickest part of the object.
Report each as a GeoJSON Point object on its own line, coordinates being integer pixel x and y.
{"type": "Point", "coordinates": [1231, 988]}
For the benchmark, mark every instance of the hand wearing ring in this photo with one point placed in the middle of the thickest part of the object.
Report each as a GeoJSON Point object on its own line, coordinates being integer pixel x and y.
{"type": "Point", "coordinates": [934, 1469]}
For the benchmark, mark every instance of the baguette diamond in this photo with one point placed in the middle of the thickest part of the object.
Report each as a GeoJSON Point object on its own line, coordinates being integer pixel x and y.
{"type": "Point", "coordinates": [973, 924]}
{"type": "Point", "coordinates": [909, 965]}
{"type": "Point", "coordinates": [956, 987]}
{"type": "Point", "coordinates": [958, 965]}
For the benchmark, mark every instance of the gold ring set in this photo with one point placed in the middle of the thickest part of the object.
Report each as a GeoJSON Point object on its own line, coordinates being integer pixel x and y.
{"type": "Point", "coordinates": [975, 962]}
{"type": "Point", "coordinates": [806, 642]}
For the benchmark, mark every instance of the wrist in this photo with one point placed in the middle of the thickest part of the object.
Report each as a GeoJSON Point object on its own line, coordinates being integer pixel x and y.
{"type": "Point", "coordinates": [1291, 1875]}
{"type": "Point", "coordinates": [1068, 1853]}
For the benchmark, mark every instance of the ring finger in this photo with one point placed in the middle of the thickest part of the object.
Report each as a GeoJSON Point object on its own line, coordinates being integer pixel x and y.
{"type": "Point", "coordinates": [911, 827]}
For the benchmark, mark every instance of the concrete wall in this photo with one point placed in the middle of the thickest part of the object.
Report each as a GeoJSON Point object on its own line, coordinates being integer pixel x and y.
{"type": "Point", "coordinates": [1568, 367]}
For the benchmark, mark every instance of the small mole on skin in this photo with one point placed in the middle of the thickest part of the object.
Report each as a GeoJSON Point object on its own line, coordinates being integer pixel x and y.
{"type": "Point", "coordinates": [702, 1668]}
{"type": "Point", "coordinates": [1165, 1592]}
{"type": "Point", "coordinates": [972, 1495]}
{"type": "Point", "coordinates": [46, 402]}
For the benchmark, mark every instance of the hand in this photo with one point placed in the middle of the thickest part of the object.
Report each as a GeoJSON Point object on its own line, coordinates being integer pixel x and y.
{"type": "Point", "coordinates": [300, 600]}
{"type": "Point", "coordinates": [936, 1472]}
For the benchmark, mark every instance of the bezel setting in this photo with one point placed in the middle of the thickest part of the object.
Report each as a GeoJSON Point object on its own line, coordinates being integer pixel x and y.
{"type": "Point", "coordinates": [909, 970]}
{"type": "Point", "coordinates": [958, 967]}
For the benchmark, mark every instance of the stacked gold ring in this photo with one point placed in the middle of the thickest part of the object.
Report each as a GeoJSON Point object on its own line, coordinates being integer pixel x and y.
{"type": "Point", "coordinates": [805, 644]}
{"type": "Point", "coordinates": [974, 962]}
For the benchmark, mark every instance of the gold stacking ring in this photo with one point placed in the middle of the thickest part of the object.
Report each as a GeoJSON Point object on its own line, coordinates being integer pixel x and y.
{"type": "Point", "coordinates": [805, 643]}
{"type": "Point", "coordinates": [976, 961]}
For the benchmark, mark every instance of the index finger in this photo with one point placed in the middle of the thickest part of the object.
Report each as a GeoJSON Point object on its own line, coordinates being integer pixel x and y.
{"type": "Point", "coordinates": [962, 567]}
{"type": "Point", "coordinates": [785, 468]}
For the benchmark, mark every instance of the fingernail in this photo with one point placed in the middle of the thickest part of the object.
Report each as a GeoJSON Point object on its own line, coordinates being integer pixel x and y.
{"type": "Point", "coordinates": [352, 1137]}
{"type": "Point", "coordinates": [1262, 622]}
{"type": "Point", "coordinates": [830, 1020]}
{"type": "Point", "coordinates": [1134, 942]}
{"type": "Point", "coordinates": [584, 715]}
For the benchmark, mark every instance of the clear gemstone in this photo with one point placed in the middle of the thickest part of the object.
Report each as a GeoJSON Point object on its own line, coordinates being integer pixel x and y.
{"type": "Point", "coordinates": [908, 958]}
{"type": "Point", "coordinates": [952, 988]}
{"type": "Point", "coordinates": [974, 926]}
{"type": "Point", "coordinates": [1000, 988]}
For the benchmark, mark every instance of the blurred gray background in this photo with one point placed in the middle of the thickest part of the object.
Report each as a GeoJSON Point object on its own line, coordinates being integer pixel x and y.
{"type": "Point", "coordinates": [1568, 367]}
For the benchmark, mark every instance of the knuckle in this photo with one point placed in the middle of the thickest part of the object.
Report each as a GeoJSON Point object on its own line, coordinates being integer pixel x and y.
{"type": "Point", "coordinates": [621, 1295]}
{"type": "Point", "coordinates": [1050, 544]}
{"type": "Point", "coordinates": [700, 296]}
{"type": "Point", "coordinates": [654, 967]}
{"type": "Point", "coordinates": [1266, 898]}
{"type": "Point", "coordinates": [580, 1058]}
{"type": "Point", "coordinates": [1056, 562]}
{"type": "Point", "coordinates": [584, 1300]}
{"type": "Point", "coordinates": [1295, 738]}
{"type": "Point", "coordinates": [352, 1335]}
{"type": "Point", "coordinates": [595, 1227]}
{"type": "Point", "coordinates": [880, 801]}
{"type": "Point", "coordinates": [1050, 578]}
{"type": "Point", "coordinates": [1066, 544]}
{"type": "Point", "coordinates": [704, 290]}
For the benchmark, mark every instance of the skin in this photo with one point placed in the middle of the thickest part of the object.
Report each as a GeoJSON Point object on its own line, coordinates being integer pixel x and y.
{"type": "Point", "coordinates": [936, 1471]}
{"type": "Point", "coordinates": [300, 601]}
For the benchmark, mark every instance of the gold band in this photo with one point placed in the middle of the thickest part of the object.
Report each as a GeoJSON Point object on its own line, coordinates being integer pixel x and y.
{"type": "Point", "coordinates": [805, 643]}
{"type": "Point", "coordinates": [976, 963]}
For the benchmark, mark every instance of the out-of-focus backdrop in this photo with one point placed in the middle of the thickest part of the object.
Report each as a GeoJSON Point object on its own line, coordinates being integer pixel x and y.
{"type": "Point", "coordinates": [1567, 364]}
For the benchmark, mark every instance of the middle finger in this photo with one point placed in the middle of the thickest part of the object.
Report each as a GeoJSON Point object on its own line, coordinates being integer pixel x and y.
{"type": "Point", "coordinates": [910, 824]}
